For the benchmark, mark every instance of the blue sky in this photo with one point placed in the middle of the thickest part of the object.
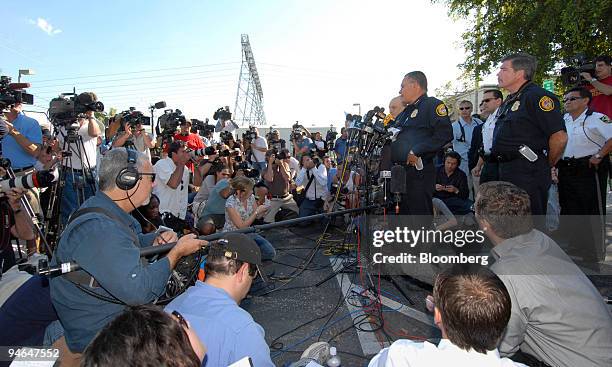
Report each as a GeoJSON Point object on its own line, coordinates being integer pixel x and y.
{"type": "Point", "coordinates": [315, 58]}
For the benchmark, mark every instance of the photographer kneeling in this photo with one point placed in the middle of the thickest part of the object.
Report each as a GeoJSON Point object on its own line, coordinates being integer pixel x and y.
{"type": "Point", "coordinates": [105, 241]}
{"type": "Point", "coordinates": [313, 176]}
{"type": "Point", "coordinates": [241, 210]}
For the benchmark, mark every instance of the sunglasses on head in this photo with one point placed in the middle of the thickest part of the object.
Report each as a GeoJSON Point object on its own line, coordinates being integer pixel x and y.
{"type": "Point", "coordinates": [181, 319]}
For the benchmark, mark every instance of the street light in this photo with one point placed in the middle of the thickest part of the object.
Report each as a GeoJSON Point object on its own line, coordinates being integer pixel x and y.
{"type": "Point", "coordinates": [359, 105]}
{"type": "Point", "coordinates": [24, 72]}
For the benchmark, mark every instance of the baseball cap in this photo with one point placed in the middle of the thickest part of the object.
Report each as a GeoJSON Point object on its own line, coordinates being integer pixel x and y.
{"type": "Point", "coordinates": [239, 246]}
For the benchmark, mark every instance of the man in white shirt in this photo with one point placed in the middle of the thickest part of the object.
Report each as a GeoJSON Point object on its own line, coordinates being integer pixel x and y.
{"type": "Point", "coordinates": [172, 181]}
{"type": "Point", "coordinates": [472, 309]}
{"type": "Point", "coordinates": [313, 177]}
{"type": "Point", "coordinates": [486, 167]}
{"type": "Point", "coordinates": [79, 166]}
{"type": "Point", "coordinates": [463, 130]}
{"type": "Point", "coordinates": [584, 167]}
{"type": "Point", "coordinates": [259, 147]}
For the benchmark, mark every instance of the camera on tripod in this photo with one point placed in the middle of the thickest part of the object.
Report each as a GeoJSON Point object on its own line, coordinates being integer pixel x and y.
{"type": "Point", "coordinates": [68, 107]}
{"type": "Point", "coordinates": [11, 93]}
{"type": "Point", "coordinates": [222, 114]}
{"type": "Point", "coordinates": [170, 121]}
{"type": "Point", "coordinates": [570, 75]}
{"type": "Point", "coordinates": [202, 127]}
{"type": "Point", "coordinates": [330, 137]}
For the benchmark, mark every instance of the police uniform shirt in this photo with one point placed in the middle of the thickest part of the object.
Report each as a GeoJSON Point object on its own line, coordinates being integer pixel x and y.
{"type": "Point", "coordinates": [528, 117]}
{"type": "Point", "coordinates": [586, 134]}
{"type": "Point", "coordinates": [425, 129]}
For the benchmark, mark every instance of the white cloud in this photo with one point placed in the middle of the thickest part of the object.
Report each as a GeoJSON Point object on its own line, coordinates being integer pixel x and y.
{"type": "Point", "coordinates": [45, 26]}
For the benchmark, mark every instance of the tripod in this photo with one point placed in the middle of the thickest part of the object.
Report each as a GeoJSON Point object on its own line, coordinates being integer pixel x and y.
{"type": "Point", "coordinates": [81, 180]}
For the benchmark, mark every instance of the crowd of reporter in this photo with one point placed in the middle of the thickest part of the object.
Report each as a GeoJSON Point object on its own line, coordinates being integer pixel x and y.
{"type": "Point", "coordinates": [195, 185]}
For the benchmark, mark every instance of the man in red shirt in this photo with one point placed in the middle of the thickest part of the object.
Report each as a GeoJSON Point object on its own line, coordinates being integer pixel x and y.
{"type": "Point", "coordinates": [601, 87]}
{"type": "Point", "coordinates": [192, 141]}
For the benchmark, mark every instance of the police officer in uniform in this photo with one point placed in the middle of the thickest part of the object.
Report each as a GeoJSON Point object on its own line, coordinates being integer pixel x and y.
{"type": "Point", "coordinates": [529, 135]}
{"type": "Point", "coordinates": [583, 174]}
{"type": "Point", "coordinates": [425, 129]}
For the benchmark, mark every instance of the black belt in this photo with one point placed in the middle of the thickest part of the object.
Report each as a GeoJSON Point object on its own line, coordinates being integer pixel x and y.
{"type": "Point", "coordinates": [574, 162]}
{"type": "Point", "coordinates": [17, 170]}
{"type": "Point", "coordinates": [489, 158]}
{"type": "Point", "coordinates": [280, 196]}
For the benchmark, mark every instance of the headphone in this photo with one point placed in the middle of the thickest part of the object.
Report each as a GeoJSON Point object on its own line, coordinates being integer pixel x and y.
{"type": "Point", "coordinates": [128, 177]}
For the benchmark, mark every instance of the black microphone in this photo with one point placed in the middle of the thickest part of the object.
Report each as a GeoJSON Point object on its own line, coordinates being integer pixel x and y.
{"type": "Point", "coordinates": [159, 105]}
{"type": "Point", "coordinates": [398, 184]}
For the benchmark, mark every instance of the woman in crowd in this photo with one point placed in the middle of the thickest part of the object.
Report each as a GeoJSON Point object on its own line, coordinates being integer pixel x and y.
{"type": "Point", "coordinates": [216, 173]}
{"type": "Point", "coordinates": [145, 336]}
{"type": "Point", "coordinates": [148, 215]}
{"type": "Point", "coordinates": [241, 210]}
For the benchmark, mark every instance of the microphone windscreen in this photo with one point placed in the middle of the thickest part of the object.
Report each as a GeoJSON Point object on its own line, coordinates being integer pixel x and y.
{"type": "Point", "coordinates": [398, 180]}
{"type": "Point", "coordinates": [161, 104]}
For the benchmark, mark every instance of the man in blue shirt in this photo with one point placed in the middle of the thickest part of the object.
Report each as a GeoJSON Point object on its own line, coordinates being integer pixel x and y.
{"type": "Point", "coordinates": [463, 130]}
{"type": "Point", "coordinates": [341, 146]}
{"type": "Point", "coordinates": [106, 244]}
{"type": "Point", "coordinates": [211, 307]}
{"type": "Point", "coordinates": [23, 139]}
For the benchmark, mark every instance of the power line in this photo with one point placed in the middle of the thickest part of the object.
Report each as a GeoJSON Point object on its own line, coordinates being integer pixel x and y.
{"type": "Point", "coordinates": [142, 77]}
{"type": "Point", "coordinates": [140, 71]}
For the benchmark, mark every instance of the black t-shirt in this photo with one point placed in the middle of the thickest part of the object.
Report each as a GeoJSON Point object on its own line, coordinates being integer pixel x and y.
{"type": "Point", "coordinates": [528, 117]}
{"type": "Point", "coordinates": [425, 129]}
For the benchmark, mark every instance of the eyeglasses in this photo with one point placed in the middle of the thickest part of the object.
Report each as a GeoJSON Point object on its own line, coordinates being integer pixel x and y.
{"type": "Point", "coordinates": [487, 100]}
{"type": "Point", "coordinates": [140, 174]}
{"type": "Point", "coordinates": [181, 319]}
{"type": "Point", "coordinates": [465, 108]}
{"type": "Point", "coordinates": [571, 99]}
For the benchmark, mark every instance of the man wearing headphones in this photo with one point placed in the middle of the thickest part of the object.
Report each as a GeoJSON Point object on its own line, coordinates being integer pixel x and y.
{"type": "Point", "coordinates": [172, 184]}
{"type": "Point", "coordinates": [105, 240]}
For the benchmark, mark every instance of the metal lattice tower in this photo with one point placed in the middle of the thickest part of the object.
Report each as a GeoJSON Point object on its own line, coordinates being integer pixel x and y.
{"type": "Point", "coordinates": [249, 97]}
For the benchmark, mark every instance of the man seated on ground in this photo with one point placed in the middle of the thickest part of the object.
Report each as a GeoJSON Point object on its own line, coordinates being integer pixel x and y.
{"type": "Point", "coordinates": [105, 241]}
{"type": "Point", "coordinates": [313, 177]}
{"type": "Point", "coordinates": [211, 307]}
{"type": "Point", "coordinates": [558, 316]}
{"type": "Point", "coordinates": [277, 178]}
{"type": "Point", "coordinates": [215, 205]}
{"type": "Point", "coordinates": [452, 185]}
{"type": "Point", "coordinates": [472, 309]}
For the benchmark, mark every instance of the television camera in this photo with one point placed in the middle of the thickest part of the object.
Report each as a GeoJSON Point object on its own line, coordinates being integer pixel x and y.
{"type": "Point", "coordinates": [12, 93]}
{"type": "Point", "coordinates": [202, 127]}
{"type": "Point", "coordinates": [65, 109]}
{"type": "Point", "coordinates": [570, 75]}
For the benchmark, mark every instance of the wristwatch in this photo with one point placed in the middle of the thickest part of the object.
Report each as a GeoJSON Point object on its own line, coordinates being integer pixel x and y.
{"type": "Point", "coordinates": [598, 156]}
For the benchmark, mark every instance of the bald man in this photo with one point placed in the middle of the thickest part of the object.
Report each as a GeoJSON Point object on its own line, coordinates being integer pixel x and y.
{"type": "Point", "coordinates": [396, 106]}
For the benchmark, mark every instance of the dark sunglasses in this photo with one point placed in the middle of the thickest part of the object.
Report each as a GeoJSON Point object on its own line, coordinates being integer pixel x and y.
{"type": "Point", "coordinates": [181, 319]}
{"type": "Point", "coordinates": [487, 100]}
{"type": "Point", "coordinates": [465, 108]}
{"type": "Point", "coordinates": [147, 174]}
{"type": "Point", "coordinates": [571, 99]}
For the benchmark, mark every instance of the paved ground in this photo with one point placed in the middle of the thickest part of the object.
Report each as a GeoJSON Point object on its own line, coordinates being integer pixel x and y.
{"type": "Point", "coordinates": [318, 304]}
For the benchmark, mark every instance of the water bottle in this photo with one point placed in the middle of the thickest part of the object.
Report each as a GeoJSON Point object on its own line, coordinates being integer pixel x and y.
{"type": "Point", "coordinates": [334, 358]}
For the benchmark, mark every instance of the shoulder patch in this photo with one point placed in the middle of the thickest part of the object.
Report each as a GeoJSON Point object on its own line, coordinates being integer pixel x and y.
{"type": "Point", "coordinates": [546, 104]}
{"type": "Point", "coordinates": [441, 110]}
{"type": "Point", "coordinates": [605, 119]}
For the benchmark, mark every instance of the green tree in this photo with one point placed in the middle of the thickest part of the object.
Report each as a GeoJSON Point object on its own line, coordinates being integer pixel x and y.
{"type": "Point", "coordinates": [553, 31]}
